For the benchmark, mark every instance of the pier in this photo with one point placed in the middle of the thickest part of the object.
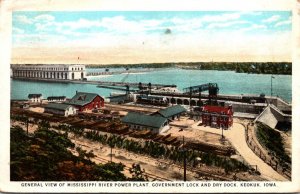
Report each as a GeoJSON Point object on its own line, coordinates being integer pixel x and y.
{"type": "Point", "coordinates": [135, 85]}
{"type": "Point", "coordinates": [103, 84]}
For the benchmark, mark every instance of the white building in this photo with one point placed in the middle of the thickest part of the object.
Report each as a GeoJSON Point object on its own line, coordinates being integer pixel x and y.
{"type": "Point", "coordinates": [35, 98]}
{"type": "Point", "coordinates": [60, 109]}
{"type": "Point", "coordinates": [57, 72]}
{"type": "Point", "coordinates": [56, 98]}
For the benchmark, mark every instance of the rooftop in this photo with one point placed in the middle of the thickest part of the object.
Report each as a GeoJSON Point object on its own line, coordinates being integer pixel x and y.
{"type": "Point", "coordinates": [82, 98]}
{"type": "Point", "coordinates": [34, 95]}
{"type": "Point", "coordinates": [171, 111]}
{"type": "Point", "coordinates": [56, 97]}
{"type": "Point", "coordinates": [144, 120]}
{"type": "Point", "coordinates": [216, 109]}
{"type": "Point", "coordinates": [58, 106]}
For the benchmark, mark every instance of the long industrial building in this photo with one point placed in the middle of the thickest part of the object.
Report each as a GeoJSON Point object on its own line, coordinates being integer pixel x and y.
{"type": "Point", "coordinates": [67, 72]}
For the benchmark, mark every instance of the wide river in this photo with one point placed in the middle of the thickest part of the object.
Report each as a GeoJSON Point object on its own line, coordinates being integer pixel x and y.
{"type": "Point", "coordinates": [229, 82]}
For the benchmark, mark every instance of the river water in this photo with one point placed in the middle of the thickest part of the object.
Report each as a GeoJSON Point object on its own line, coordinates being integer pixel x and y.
{"type": "Point", "coordinates": [229, 82]}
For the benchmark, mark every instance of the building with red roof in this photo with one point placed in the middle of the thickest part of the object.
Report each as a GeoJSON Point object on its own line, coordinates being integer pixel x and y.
{"type": "Point", "coordinates": [217, 116]}
{"type": "Point", "coordinates": [84, 101]}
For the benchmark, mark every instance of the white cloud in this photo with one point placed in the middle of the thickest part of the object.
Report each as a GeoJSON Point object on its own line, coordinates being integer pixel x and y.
{"type": "Point", "coordinates": [221, 18]}
{"type": "Point", "coordinates": [253, 27]}
{"type": "Point", "coordinates": [17, 30]}
{"type": "Point", "coordinates": [282, 23]}
{"type": "Point", "coordinates": [45, 18]}
{"type": "Point", "coordinates": [226, 24]}
{"type": "Point", "coordinates": [271, 19]}
{"type": "Point", "coordinates": [120, 24]}
{"type": "Point", "coordinates": [81, 23]}
{"type": "Point", "coordinates": [38, 40]}
{"type": "Point", "coordinates": [40, 18]}
{"type": "Point", "coordinates": [23, 19]}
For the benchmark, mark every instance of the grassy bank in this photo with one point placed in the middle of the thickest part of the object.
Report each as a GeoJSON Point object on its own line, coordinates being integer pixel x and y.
{"type": "Point", "coordinates": [272, 141]}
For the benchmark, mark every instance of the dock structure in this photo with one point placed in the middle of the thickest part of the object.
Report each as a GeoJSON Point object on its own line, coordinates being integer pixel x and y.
{"type": "Point", "coordinates": [117, 72]}
{"type": "Point", "coordinates": [104, 84]}
{"type": "Point", "coordinates": [135, 85]}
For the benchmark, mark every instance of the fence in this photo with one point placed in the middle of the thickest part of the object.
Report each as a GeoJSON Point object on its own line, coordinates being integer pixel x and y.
{"type": "Point", "coordinates": [270, 160]}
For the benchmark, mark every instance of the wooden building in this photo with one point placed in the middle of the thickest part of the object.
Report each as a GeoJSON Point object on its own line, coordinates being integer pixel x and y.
{"type": "Point", "coordinates": [140, 121]}
{"type": "Point", "coordinates": [60, 109]}
{"type": "Point", "coordinates": [217, 116]}
{"type": "Point", "coordinates": [56, 98]}
{"type": "Point", "coordinates": [84, 101]}
{"type": "Point", "coordinates": [172, 112]}
{"type": "Point", "coordinates": [35, 98]}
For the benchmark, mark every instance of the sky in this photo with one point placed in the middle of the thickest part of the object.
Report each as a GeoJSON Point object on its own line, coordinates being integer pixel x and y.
{"type": "Point", "coordinates": [106, 37]}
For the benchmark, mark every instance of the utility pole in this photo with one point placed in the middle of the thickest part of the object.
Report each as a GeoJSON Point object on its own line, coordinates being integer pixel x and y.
{"type": "Point", "coordinates": [111, 153]}
{"type": "Point", "coordinates": [111, 147]}
{"type": "Point", "coordinates": [272, 85]}
{"type": "Point", "coordinates": [27, 123]}
{"type": "Point", "coordinates": [222, 131]}
{"type": "Point", "coordinates": [190, 99]}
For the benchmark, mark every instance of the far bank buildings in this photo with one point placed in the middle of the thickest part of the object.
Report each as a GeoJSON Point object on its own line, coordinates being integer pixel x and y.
{"type": "Point", "coordinates": [54, 72]}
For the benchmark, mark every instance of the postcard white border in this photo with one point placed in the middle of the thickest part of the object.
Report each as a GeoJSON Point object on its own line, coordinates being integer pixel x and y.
{"type": "Point", "coordinates": [8, 6]}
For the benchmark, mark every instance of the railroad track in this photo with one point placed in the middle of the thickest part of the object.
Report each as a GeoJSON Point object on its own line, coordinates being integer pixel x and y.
{"type": "Point", "coordinates": [149, 175]}
{"type": "Point", "coordinates": [159, 162]}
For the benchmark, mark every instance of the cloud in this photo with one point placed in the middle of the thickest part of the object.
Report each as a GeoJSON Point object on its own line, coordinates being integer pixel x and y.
{"type": "Point", "coordinates": [38, 40]}
{"type": "Point", "coordinates": [226, 24]}
{"type": "Point", "coordinates": [271, 19]}
{"type": "Point", "coordinates": [253, 27]}
{"type": "Point", "coordinates": [44, 18]}
{"type": "Point", "coordinates": [40, 18]}
{"type": "Point", "coordinates": [17, 30]}
{"type": "Point", "coordinates": [221, 18]}
{"type": "Point", "coordinates": [23, 19]}
{"type": "Point", "coordinates": [282, 23]}
{"type": "Point", "coordinates": [121, 32]}
{"type": "Point", "coordinates": [81, 23]}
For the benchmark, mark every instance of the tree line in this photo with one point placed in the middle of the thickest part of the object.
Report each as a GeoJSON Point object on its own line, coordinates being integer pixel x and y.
{"type": "Point", "coordinates": [239, 67]}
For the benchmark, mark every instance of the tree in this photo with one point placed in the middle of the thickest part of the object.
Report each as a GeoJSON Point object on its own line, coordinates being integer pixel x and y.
{"type": "Point", "coordinates": [137, 173]}
{"type": "Point", "coordinates": [46, 156]}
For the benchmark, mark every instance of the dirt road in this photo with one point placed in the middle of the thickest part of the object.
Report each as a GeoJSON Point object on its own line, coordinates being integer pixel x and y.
{"type": "Point", "coordinates": [236, 135]}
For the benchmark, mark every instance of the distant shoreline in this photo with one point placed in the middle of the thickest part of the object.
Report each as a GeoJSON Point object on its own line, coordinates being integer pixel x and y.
{"type": "Point", "coordinates": [283, 68]}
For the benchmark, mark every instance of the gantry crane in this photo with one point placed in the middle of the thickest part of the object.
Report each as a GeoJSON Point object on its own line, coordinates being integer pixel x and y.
{"type": "Point", "coordinates": [212, 89]}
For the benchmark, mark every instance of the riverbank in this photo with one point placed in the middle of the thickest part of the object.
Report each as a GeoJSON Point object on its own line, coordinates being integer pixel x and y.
{"type": "Point", "coordinates": [279, 68]}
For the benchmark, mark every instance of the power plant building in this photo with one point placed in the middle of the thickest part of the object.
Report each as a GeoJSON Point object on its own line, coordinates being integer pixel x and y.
{"type": "Point", "coordinates": [54, 72]}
